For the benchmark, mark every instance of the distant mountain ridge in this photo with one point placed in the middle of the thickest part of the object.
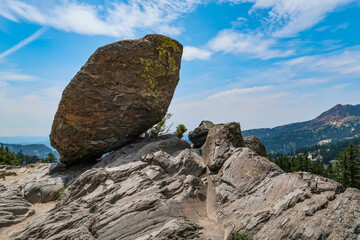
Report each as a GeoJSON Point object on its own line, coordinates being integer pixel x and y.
{"type": "Point", "coordinates": [39, 150]}
{"type": "Point", "coordinates": [26, 140]}
{"type": "Point", "coordinates": [338, 123]}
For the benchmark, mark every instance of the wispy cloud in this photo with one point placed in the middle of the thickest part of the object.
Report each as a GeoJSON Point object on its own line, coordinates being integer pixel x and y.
{"type": "Point", "coordinates": [117, 19]}
{"type": "Point", "coordinates": [238, 91]}
{"type": "Point", "coordinates": [345, 61]}
{"type": "Point", "coordinates": [15, 76]}
{"type": "Point", "coordinates": [22, 43]}
{"type": "Point", "coordinates": [286, 18]}
{"type": "Point", "coordinates": [341, 27]}
{"type": "Point", "coordinates": [255, 45]}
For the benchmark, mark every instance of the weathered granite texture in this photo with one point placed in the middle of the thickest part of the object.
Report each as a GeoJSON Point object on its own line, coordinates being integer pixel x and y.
{"type": "Point", "coordinates": [160, 189]}
{"type": "Point", "coordinates": [122, 90]}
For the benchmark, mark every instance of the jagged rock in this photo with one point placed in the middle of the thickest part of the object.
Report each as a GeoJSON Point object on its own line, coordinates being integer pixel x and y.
{"type": "Point", "coordinates": [13, 207]}
{"type": "Point", "coordinates": [199, 134]}
{"type": "Point", "coordinates": [256, 145]}
{"type": "Point", "coordinates": [238, 170]}
{"type": "Point", "coordinates": [151, 190]}
{"type": "Point", "coordinates": [186, 162]}
{"type": "Point", "coordinates": [221, 141]}
{"type": "Point", "coordinates": [141, 147]}
{"type": "Point", "coordinates": [133, 200]}
{"type": "Point", "coordinates": [122, 90]}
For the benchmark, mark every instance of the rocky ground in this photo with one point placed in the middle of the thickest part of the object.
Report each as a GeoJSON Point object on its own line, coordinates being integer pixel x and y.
{"type": "Point", "coordinates": [161, 188]}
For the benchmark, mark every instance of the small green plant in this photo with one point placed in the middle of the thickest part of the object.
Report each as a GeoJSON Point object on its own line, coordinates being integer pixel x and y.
{"type": "Point", "coordinates": [50, 158]}
{"type": "Point", "coordinates": [243, 236]}
{"type": "Point", "coordinates": [160, 128]}
{"type": "Point", "coordinates": [180, 130]}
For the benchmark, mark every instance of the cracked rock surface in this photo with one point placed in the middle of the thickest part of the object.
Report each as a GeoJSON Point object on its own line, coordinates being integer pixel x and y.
{"type": "Point", "coordinates": [159, 188]}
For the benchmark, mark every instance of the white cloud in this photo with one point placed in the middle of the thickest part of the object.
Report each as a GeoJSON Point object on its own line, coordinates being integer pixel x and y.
{"type": "Point", "coordinates": [240, 22]}
{"type": "Point", "coordinates": [286, 18]}
{"type": "Point", "coordinates": [322, 29]}
{"type": "Point", "coordinates": [231, 41]}
{"type": "Point", "coordinates": [310, 81]}
{"type": "Point", "coordinates": [193, 53]}
{"type": "Point", "coordinates": [118, 19]}
{"type": "Point", "coordinates": [345, 61]}
{"type": "Point", "coordinates": [15, 76]}
{"type": "Point", "coordinates": [239, 91]}
{"type": "Point", "coordinates": [289, 17]}
{"type": "Point", "coordinates": [341, 27]}
{"type": "Point", "coordinates": [22, 43]}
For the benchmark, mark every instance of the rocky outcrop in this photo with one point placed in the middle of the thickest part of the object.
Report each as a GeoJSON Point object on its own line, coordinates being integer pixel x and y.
{"type": "Point", "coordinates": [256, 145]}
{"type": "Point", "coordinates": [122, 90]}
{"type": "Point", "coordinates": [138, 198]}
{"type": "Point", "coordinates": [159, 188]}
{"type": "Point", "coordinates": [221, 141]}
{"type": "Point", "coordinates": [199, 134]}
{"type": "Point", "coordinates": [13, 207]}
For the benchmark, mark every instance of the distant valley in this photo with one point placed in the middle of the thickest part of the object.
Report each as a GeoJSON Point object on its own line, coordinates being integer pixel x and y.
{"type": "Point", "coordinates": [340, 123]}
{"type": "Point", "coordinates": [32, 146]}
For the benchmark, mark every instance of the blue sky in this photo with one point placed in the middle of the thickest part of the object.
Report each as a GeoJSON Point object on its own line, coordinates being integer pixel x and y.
{"type": "Point", "coordinates": [262, 63]}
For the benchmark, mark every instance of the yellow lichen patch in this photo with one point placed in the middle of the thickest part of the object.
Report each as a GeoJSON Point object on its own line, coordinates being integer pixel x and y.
{"type": "Point", "coordinates": [166, 43]}
{"type": "Point", "coordinates": [154, 69]}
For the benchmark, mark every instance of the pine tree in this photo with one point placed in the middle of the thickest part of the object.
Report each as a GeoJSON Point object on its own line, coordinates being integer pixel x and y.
{"type": "Point", "coordinates": [354, 166]}
{"type": "Point", "coordinates": [295, 165]}
{"type": "Point", "coordinates": [50, 158]}
{"type": "Point", "coordinates": [349, 167]}
{"type": "Point", "coordinates": [160, 128]}
{"type": "Point", "coordinates": [180, 130]}
{"type": "Point", "coordinates": [7, 157]}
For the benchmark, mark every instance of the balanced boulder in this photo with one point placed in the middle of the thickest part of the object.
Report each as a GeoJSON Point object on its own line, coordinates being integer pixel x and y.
{"type": "Point", "coordinates": [122, 90]}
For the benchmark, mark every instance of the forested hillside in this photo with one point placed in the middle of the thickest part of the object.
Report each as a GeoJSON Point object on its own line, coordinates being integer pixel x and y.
{"type": "Point", "coordinates": [38, 150]}
{"type": "Point", "coordinates": [340, 123]}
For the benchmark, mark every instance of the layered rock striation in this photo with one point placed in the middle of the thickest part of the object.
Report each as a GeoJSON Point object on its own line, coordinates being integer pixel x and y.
{"type": "Point", "coordinates": [160, 188]}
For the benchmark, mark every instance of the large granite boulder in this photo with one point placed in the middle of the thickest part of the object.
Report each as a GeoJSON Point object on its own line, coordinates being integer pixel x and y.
{"type": "Point", "coordinates": [121, 91]}
{"type": "Point", "coordinates": [199, 134]}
